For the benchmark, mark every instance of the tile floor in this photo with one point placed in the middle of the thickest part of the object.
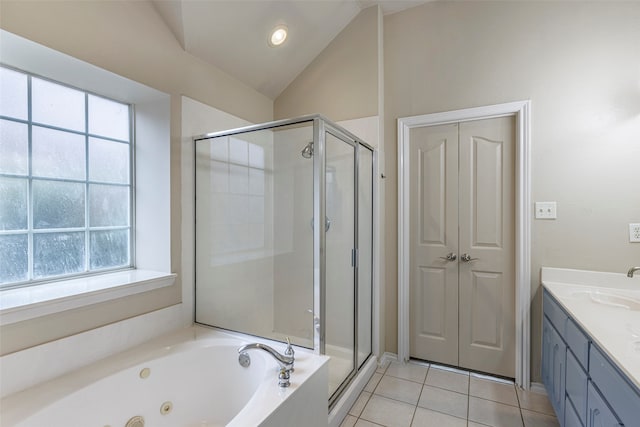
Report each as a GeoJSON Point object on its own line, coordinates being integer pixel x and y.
{"type": "Point", "coordinates": [420, 395]}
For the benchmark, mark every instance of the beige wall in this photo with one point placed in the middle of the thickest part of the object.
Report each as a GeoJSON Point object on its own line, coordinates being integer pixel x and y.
{"type": "Point", "coordinates": [342, 82]}
{"type": "Point", "coordinates": [130, 39]}
{"type": "Point", "coordinates": [578, 62]}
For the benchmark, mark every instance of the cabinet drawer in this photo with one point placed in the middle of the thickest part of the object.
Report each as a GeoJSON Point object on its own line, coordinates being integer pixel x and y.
{"type": "Point", "coordinates": [576, 387]}
{"type": "Point", "coordinates": [571, 419]}
{"type": "Point", "coordinates": [598, 412]}
{"type": "Point", "coordinates": [578, 342]}
{"type": "Point", "coordinates": [554, 313]}
{"type": "Point", "coordinates": [622, 396]}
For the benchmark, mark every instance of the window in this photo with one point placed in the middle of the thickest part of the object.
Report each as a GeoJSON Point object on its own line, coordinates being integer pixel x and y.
{"type": "Point", "coordinates": [65, 181]}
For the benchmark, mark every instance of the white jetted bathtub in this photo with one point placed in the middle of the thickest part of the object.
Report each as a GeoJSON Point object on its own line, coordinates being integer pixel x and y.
{"type": "Point", "coordinates": [191, 378]}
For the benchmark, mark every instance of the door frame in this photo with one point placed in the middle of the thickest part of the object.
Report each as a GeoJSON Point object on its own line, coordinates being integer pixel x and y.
{"type": "Point", "coordinates": [521, 110]}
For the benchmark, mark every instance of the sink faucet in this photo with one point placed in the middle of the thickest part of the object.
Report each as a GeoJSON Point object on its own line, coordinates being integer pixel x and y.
{"type": "Point", "coordinates": [631, 270]}
{"type": "Point", "coordinates": [285, 361]}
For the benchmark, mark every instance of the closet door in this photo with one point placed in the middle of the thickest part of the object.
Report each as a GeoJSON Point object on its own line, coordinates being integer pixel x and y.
{"type": "Point", "coordinates": [487, 230]}
{"type": "Point", "coordinates": [462, 287]}
{"type": "Point", "coordinates": [434, 235]}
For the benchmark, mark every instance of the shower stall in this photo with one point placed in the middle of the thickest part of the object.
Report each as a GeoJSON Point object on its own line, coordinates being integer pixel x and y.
{"type": "Point", "coordinates": [284, 238]}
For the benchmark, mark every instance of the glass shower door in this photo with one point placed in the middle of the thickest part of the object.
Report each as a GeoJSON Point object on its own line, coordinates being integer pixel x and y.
{"type": "Point", "coordinates": [340, 271]}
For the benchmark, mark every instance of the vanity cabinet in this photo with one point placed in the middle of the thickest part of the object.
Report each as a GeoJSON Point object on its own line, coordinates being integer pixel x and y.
{"type": "Point", "coordinates": [585, 388]}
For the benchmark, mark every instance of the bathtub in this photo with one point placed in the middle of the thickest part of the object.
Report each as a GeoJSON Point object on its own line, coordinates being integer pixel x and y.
{"type": "Point", "coordinates": [190, 378]}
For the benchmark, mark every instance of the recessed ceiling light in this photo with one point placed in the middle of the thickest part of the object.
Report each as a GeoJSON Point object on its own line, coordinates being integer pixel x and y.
{"type": "Point", "coordinates": [278, 35]}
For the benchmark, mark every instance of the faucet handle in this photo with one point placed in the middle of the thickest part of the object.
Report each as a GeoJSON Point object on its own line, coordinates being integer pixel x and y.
{"type": "Point", "coordinates": [283, 378]}
{"type": "Point", "coordinates": [289, 350]}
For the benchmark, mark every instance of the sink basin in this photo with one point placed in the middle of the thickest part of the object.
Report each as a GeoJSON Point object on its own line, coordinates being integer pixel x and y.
{"type": "Point", "coordinates": [612, 300]}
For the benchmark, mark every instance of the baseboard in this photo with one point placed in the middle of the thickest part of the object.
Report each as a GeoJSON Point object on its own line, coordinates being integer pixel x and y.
{"type": "Point", "coordinates": [387, 357]}
{"type": "Point", "coordinates": [538, 388]}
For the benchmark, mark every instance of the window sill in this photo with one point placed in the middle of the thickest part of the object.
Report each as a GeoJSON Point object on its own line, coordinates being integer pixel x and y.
{"type": "Point", "coordinates": [21, 304]}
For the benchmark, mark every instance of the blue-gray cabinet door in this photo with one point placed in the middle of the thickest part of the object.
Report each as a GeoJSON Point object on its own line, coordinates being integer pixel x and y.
{"type": "Point", "coordinates": [598, 412]}
{"type": "Point", "coordinates": [553, 366]}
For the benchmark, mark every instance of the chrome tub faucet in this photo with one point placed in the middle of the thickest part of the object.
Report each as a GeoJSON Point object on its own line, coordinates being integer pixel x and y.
{"type": "Point", "coordinates": [285, 361]}
{"type": "Point", "coordinates": [632, 270]}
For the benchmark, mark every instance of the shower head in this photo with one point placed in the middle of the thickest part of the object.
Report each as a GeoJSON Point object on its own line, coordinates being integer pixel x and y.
{"type": "Point", "coordinates": [307, 151]}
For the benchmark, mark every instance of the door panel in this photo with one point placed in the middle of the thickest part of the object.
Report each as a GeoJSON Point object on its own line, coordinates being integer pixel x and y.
{"type": "Point", "coordinates": [486, 322]}
{"type": "Point", "coordinates": [486, 191]}
{"type": "Point", "coordinates": [486, 212]}
{"type": "Point", "coordinates": [434, 234]}
{"type": "Point", "coordinates": [432, 290]}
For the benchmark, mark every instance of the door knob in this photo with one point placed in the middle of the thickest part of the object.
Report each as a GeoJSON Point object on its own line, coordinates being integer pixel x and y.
{"type": "Point", "coordinates": [467, 258]}
{"type": "Point", "coordinates": [450, 257]}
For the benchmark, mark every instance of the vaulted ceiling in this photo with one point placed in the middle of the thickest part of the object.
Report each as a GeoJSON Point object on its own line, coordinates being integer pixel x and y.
{"type": "Point", "coordinates": [232, 34]}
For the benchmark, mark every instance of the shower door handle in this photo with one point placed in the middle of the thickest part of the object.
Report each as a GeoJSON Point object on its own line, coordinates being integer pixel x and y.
{"type": "Point", "coordinates": [327, 223]}
{"type": "Point", "coordinates": [316, 321]}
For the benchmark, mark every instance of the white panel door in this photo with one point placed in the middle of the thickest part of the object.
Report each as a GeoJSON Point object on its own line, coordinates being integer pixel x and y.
{"type": "Point", "coordinates": [434, 235]}
{"type": "Point", "coordinates": [487, 230]}
{"type": "Point", "coordinates": [462, 205]}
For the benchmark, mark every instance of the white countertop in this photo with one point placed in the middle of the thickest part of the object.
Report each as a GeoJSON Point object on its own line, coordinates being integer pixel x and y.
{"type": "Point", "coordinates": [615, 329]}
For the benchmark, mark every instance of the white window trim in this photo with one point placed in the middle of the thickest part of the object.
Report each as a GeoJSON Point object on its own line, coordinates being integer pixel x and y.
{"type": "Point", "coordinates": [29, 302]}
{"type": "Point", "coordinates": [152, 187]}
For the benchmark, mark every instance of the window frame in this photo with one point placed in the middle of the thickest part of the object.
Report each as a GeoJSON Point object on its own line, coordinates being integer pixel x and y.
{"type": "Point", "coordinates": [151, 182]}
{"type": "Point", "coordinates": [86, 228]}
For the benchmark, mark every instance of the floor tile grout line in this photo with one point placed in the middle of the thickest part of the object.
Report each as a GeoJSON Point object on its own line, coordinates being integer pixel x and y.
{"type": "Point", "coordinates": [415, 409]}
{"type": "Point", "coordinates": [538, 412]}
{"type": "Point", "coordinates": [494, 401]}
{"type": "Point", "coordinates": [519, 407]}
{"type": "Point", "coordinates": [444, 413]}
{"type": "Point", "coordinates": [468, 400]}
{"type": "Point", "coordinates": [395, 400]}
{"type": "Point", "coordinates": [363, 408]}
{"type": "Point", "coordinates": [406, 379]}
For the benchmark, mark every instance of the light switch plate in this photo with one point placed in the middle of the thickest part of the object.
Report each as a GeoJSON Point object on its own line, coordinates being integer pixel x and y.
{"type": "Point", "coordinates": [634, 233]}
{"type": "Point", "coordinates": [546, 210]}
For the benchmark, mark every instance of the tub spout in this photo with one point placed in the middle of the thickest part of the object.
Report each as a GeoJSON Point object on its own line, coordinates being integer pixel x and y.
{"type": "Point", "coordinates": [632, 270]}
{"type": "Point", "coordinates": [285, 361]}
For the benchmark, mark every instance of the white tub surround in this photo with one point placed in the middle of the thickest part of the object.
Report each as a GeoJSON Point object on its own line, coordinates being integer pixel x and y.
{"type": "Point", "coordinates": [187, 378]}
{"type": "Point", "coordinates": [596, 302]}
